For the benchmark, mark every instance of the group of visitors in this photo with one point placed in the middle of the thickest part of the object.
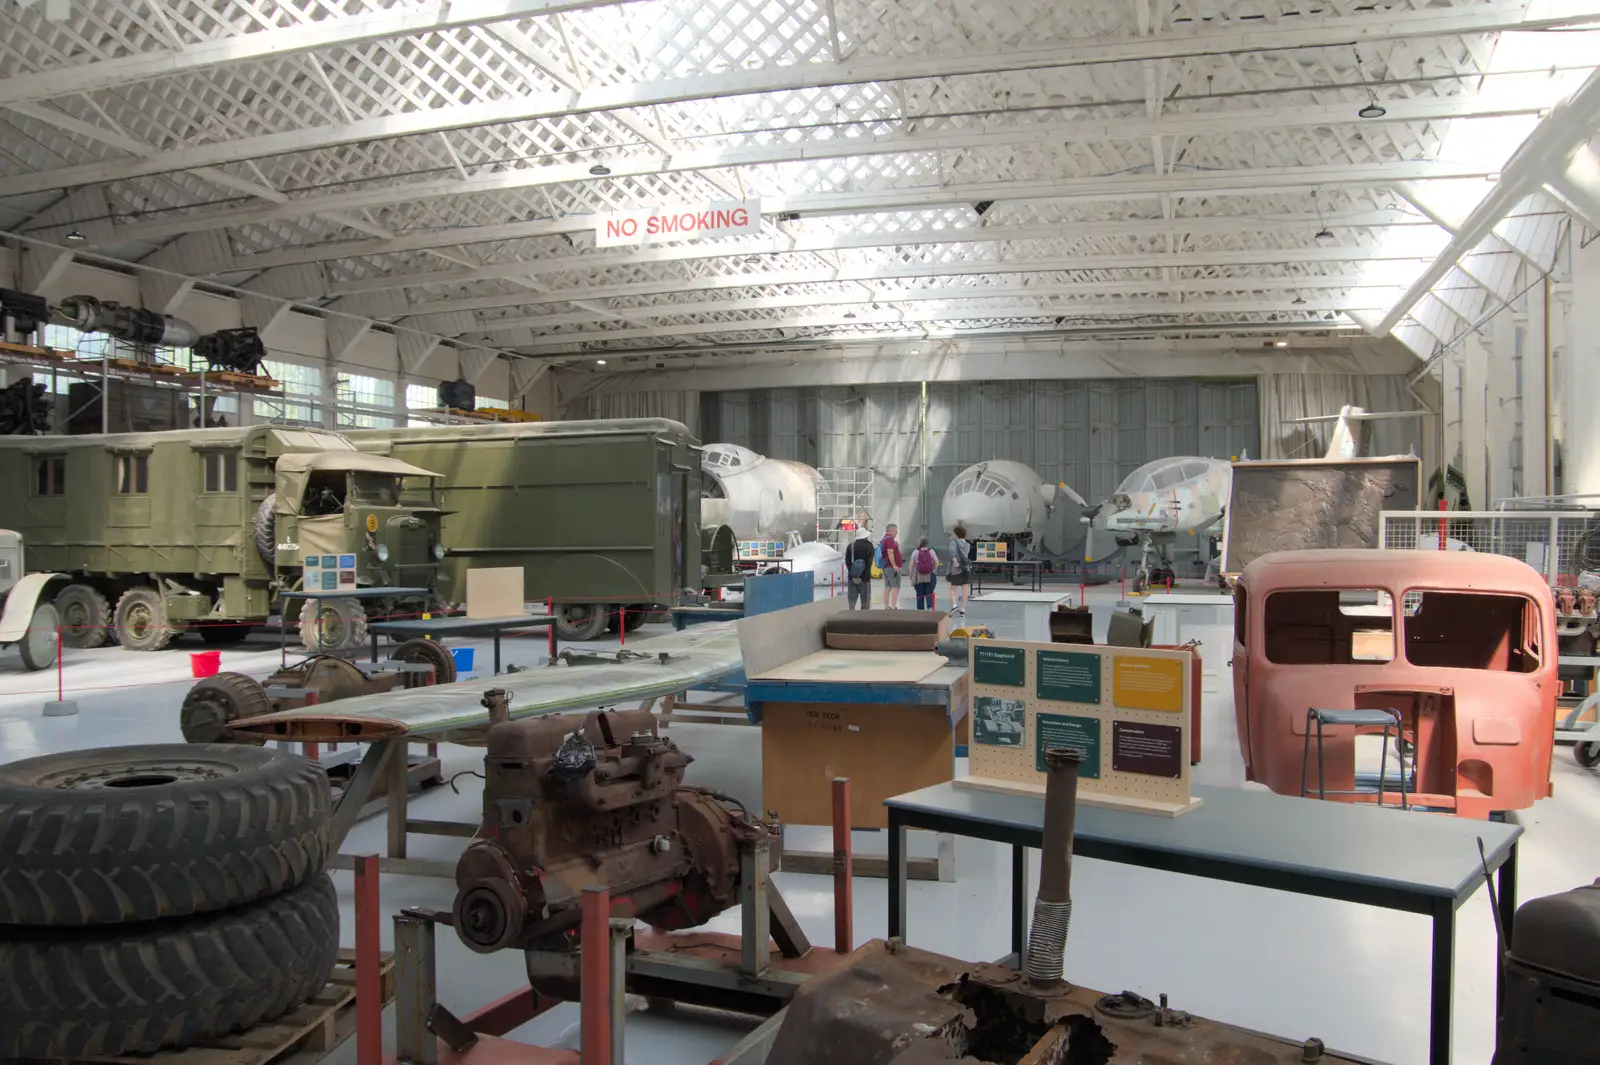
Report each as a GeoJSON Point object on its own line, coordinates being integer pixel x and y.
{"type": "Point", "coordinates": [861, 558]}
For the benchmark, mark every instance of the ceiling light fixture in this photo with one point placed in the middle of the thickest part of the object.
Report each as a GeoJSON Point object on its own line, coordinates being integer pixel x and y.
{"type": "Point", "coordinates": [849, 314]}
{"type": "Point", "coordinates": [600, 170]}
{"type": "Point", "coordinates": [982, 207]}
{"type": "Point", "coordinates": [1280, 343]}
{"type": "Point", "coordinates": [1299, 299]}
{"type": "Point", "coordinates": [599, 362]}
{"type": "Point", "coordinates": [1373, 108]}
{"type": "Point", "coordinates": [76, 236]}
{"type": "Point", "coordinates": [1324, 235]}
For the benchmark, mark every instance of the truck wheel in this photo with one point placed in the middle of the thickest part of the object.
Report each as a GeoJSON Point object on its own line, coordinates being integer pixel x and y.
{"type": "Point", "coordinates": [430, 652]}
{"type": "Point", "coordinates": [217, 702]}
{"type": "Point", "coordinates": [265, 528]}
{"type": "Point", "coordinates": [118, 991]}
{"type": "Point", "coordinates": [226, 633]}
{"type": "Point", "coordinates": [84, 616]}
{"type": "Point", "coordinates": [141, 620]}
{"type": "Point", "coordinates": [581, 621]}
{"type": "Point", "coordinates": [146, 833]}
{"type": "Point", "coordinates": [328, 626]}
{"type": "Point", "coordinates": [1586, 754]}
{"type": "Point", "coordinates": [39, 646]}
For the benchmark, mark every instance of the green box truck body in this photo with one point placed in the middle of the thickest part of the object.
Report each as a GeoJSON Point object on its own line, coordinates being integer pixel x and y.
{"type": "Point", "coordinates": [600, 515]}
{"type": "Point", "coordinates": [202, 527]}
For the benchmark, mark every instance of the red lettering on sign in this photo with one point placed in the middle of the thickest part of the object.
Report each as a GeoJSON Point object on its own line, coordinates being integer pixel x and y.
{"type": "Point", "coordinates": [741, 217]}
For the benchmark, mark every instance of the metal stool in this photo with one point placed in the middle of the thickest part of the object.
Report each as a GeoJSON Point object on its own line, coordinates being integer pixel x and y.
{"type": "Point", "coordinates": [1386, 718]}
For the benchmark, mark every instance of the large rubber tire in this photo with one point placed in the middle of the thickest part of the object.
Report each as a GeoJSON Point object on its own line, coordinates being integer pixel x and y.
{"type": "Point", "coordinates": [85, 613]}
{"type": "Point", "coordinates": [428, 651]}
{"type": "Point", "coordinates": [216, 702]}
{"type": "Point", "coordinates": [103, 992]}
{"type": "Point", "coordinates": [1586, 754]}
{"type": "Point", "coordinates": [145, 833]}
{"type": "Point", "coordinates": [329, 626]}
{"type": "Point", "coordinates": [40, 645]}
{"type": "Point", "coordinates": [581, 621]}
{"type": "Point", "coordinates": [265, 530]}
{"type": "Point", "coordinates": [226, 633]}
{"type": "Point", "coordinates": [141, 620]}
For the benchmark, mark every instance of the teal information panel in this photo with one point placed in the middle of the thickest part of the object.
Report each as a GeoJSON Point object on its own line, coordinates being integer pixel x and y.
{"type": "Point", "coordinates": [1063, 730]}
{"type": "Point", "coordinates": [1068, 676]}
{"type": "Point", "coordinates": [999, 665]}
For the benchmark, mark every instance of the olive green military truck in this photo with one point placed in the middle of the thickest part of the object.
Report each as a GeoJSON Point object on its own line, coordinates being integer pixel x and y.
{"type": "Point", "coordinates": [158, 533]}
{"type": "Point", "coordinates": [599, 514]}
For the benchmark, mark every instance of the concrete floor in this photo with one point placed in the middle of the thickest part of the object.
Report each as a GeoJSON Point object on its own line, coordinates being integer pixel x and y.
{"type": "Point", "coordinates": [1353, 976]}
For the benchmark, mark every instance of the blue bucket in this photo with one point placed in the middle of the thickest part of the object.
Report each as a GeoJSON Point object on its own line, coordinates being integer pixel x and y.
{"type": "Point", "coordinates": [463, 657]}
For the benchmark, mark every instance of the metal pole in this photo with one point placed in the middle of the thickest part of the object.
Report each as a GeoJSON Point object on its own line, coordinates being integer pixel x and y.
{"type": "Point", "coordinates": [843, 902]}
{"type": "Point", "coordinates": [756, 919]}
{"type": "Point", "coordinates": [595, 979]}
{"type": "Point", "coordinates": [1052, 909]}
{"type": "Point", "coordinates": [369, 981]}
{"type": "Point", "coordinates": [415, 993]}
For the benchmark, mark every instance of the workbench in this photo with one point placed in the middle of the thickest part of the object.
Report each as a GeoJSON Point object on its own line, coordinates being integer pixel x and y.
{"type": "Point", "coordinates": [1032, 567]}
{"type": "Point", "coordinates": [460, 625]}
{"type": "Point", "coordinates": [1398, 860]}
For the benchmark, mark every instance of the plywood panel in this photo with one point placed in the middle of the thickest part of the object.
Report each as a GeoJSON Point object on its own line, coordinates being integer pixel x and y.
{"type": "Point", "coordinates": [770, 640]}
{"type": "Point", "coordinates": [1128, 708]}
{"type": "Point", "coordinates": [884, 750]}
{"type": "Point", "coordinates": [494, 593]}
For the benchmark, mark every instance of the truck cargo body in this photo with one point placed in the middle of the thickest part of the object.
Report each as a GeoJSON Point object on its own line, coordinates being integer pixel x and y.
{"type": "Point", "coordinates": [600, 515]}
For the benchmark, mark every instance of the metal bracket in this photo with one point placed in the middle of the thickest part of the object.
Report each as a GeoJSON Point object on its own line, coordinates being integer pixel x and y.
{"type": "Point", "coordinates": [447, 1026]}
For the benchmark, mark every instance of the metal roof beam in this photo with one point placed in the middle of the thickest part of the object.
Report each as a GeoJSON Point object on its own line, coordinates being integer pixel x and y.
{"type": "Point", "coordinates": [1578, 186]}
{"type": "Point", "coordinates": [1548, 150]}
{"type": "Point", "coordinates": [397, 21]}
{"type": "Point", "coordinates": [1114, 187]}
{"type": "Point", "coordinates": [463, 116]}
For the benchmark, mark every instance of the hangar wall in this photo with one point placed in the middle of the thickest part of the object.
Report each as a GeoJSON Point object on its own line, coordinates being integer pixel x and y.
{"type": "Point", "coordinates": [1089, 434]}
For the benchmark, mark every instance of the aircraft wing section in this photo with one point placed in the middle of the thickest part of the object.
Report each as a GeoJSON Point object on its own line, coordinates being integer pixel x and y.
{"type": "Point", "coordinates": [648, 668]}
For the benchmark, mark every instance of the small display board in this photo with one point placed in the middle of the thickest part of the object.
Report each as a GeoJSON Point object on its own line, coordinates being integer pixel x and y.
{"type": "Point", "coordinates": [1126, 708]}
{"type": "Point", "coordinates": [760, 549]}
{"type": "Point", "coordinates": [329, 573]}
{"type": "Point", "coordinates": [990, 550]}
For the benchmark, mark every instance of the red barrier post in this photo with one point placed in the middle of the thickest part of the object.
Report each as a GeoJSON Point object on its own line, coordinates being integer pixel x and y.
{"type": "Point", "coordinates": [622, 626]}
{"type": "Point", "coordinates": [550, 633]}
{"type": "Point", "coordinates": [1122, 584]}
{"type": "Point", "coordinates": [1441, 526]}
{"type": "Point", "coordinates": [844, 937]}
{"type": "Point", "coordinates": [369, 981]}
{"type": "Point", "coordinates": [60, 698]}
{"type": "Point", "coordinates": [595, 980]}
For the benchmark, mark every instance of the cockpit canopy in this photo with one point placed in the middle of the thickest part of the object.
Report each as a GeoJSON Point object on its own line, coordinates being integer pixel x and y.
{"type": "Point", "coordinates": [1162, 474]}
{"type": "Point", "coordinates": [981, 482]}
{"type": "Point", "coordinates": [727, 458]}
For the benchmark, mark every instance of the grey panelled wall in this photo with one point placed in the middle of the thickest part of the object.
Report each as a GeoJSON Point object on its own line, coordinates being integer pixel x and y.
{"type": "Point", "coordinates": [1089, 434]}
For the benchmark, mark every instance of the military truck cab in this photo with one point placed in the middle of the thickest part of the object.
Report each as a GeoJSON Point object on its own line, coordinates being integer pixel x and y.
{"type": "Point", "coordinates": [201, 529]}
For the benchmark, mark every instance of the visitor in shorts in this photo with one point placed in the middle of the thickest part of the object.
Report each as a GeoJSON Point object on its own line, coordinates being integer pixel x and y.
{"type": "Point", "coordinates": [925, 573]}
{"type": "Point", "coordinates": [960, 569]}
{"type": "Point", "coordinates": [892, 563]}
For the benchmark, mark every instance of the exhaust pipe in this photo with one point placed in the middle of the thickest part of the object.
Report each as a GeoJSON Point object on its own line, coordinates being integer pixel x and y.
{"type": "Point", "coordinates": [1052, 910]}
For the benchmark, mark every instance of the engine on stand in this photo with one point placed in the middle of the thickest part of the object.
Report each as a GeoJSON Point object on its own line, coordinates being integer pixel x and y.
{"type": "Point", "coordinates": [577, 800]}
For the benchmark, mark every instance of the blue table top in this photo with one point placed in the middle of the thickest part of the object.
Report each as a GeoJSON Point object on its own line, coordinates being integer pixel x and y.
{"type": "Point", "coordinates": [1428, 854]}
{"type": "Point", "coordinates": [447, 625]}
{"type": "Point", "coordinates": [353, 593]}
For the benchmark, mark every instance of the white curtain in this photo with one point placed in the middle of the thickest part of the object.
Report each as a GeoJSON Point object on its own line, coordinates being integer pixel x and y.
{"type": "Point", "coordinates": [679, 406]}
{"type": "Point", "coordinates": [1292, 395]}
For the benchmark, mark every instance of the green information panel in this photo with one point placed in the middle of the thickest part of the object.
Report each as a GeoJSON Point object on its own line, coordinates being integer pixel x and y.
{"type": "Point", "coordinates": [1062, 730]}
{"type": "Point", "coordinates": [1070, 676]}
{"type": "Point", "coordinates": [999, 665]}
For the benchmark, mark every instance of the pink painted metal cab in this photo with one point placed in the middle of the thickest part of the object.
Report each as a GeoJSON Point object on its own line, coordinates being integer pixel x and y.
{"type": "Point", "coordinates": [1462, 644]}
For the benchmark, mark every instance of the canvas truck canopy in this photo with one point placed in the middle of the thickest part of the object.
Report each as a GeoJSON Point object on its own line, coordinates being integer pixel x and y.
{"type": "Point", "coordinates": [295, 469]}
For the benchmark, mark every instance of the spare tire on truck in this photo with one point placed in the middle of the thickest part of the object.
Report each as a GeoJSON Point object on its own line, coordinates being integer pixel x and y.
{"type": "Point", "coordinates": [104, 992]}
{"type": "Point", "coordinates": [265, 528]}
{"type": "Point", "coordinates": [145, 833]}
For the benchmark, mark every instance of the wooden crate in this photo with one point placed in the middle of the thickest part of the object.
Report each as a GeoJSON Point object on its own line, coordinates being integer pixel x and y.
{"type": "Point", "coordinates": [302, 1036]}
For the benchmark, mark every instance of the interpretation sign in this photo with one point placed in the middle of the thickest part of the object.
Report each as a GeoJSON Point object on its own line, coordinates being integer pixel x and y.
{"type": "Point", "coordinates": [1006, 666]}
{"type": "Point", "coordinates": [1064, 730]}
{"type": "Point", "coordinates": [1156, 750]}
{"type": "Point", "coordinates": [659, 225]}
{"type": "Point", "coordinates": [1144, 682]}
{"type": "Point", "coordinates": [998, 722]}
{"type": "Point", "coordinates": [1069, 676]}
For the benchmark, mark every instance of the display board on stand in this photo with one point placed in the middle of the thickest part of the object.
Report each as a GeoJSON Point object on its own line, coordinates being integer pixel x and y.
{"type": "Point", "coordinates": [1126, 708]}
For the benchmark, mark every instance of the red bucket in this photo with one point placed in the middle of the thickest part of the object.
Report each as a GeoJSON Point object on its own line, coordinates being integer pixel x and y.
{"type": "Point", "coordinates": [205, 664]}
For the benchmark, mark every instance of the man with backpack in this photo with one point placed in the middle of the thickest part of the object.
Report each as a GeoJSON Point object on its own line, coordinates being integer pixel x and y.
{"type": "Point", "coordinates": [892, 563]}
{"type": "Point", "coordinates": [858, 572]}
{"type": "Point", "coordinates": [925, 573]}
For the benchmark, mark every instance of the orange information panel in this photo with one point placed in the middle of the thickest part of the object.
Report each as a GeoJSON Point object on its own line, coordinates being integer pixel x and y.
{"type": "Point", "coordinates": [1144, 682]}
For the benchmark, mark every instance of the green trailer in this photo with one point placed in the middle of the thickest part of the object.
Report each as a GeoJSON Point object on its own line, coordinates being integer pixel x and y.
{"type": "Point", "coordinates": [158, 533]}
{"type": "Point", "coordinates": [602, 516]}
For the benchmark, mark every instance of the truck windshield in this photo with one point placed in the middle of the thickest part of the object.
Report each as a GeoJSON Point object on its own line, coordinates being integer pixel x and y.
{"type": "Point", "coordinates": [1469, 630]}
{"type": "Point", "coordinates": [374, 489]}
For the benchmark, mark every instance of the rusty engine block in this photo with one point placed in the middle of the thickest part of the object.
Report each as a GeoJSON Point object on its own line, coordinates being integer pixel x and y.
{"type": "Point", "coordinates": [576, 800]}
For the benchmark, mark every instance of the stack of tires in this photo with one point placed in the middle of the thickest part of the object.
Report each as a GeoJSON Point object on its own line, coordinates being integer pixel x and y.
{"type": "Point", "coordinates": [157, 897]}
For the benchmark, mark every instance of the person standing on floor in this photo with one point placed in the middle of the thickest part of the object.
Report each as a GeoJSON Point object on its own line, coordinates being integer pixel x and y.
{"type": "Point", "coordinates": [892, 563]}
{"type": "Point", "coordinates": [858, 573]}
{"type": "Point", "coordinates": [960, 569]}
{"type": "Point", "coordinates": [925, 573]}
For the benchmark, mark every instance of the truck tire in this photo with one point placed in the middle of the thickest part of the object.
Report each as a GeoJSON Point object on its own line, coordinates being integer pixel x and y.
{"type": "Point", "coordinates": [147, 833]}
{"type": "Point", "coordinates": [40, 645]}
{"type": "Point", "coordinates": [91, 993]}
{"type": "Point", "coordinates": [141, 620]}
{"type": "Point", "coordinates": [430, 652]}
{"type": "Point", "coordinates": [637, 614]}
{"type": "Point", "coordinates": [581, 621]}
{"type": "Point", "coordinates": [217, 702]}
{"type": "Point", "coordinates": [265, 528]}
{"type": "Point", "coordinates": [85, 613]}
{"type": "Point", "coordinates": [328, 626]}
